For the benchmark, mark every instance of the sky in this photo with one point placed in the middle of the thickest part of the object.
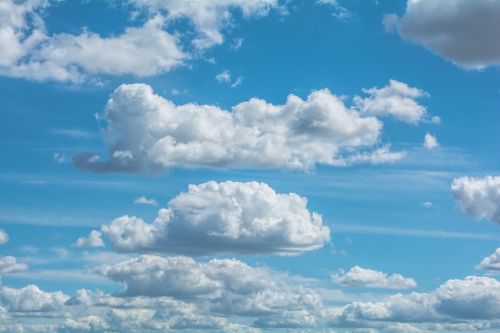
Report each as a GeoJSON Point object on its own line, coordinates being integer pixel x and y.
{"type": "Point", "coordinates": [249, 166]}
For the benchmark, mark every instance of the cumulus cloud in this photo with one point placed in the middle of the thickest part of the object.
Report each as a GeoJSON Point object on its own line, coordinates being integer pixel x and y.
{"type": "Point", "coordinates": [35, 54]}
{"type": "Point", "coordinates": [491, 262]}
{"type": "Point", "coordinates": [142, 200]}
{"type": "Point", "coordinates": [470, 299]}
{"type": "Point", "coordinates": [397, 100]}
{"type": "Point", "coordinates": [230, 287]}
{"type": "Point", "coordinates": [93, 240]}
{"type": "Point", "coordinates": [228, 217]}
{"type": "Point", "coordinates": [9, 265]}
{"type": "Point", "coordinates": [479, 198]}
{"type": "Point", "coordinates": [31, 299]}
{"type": "Point", "coordinates": [465, 32]}
{"type": "Point", "coordinates": [430, 141]}
{"type": "Point", "coordinates": [368, 278]}
{"type": "Point", "coordinates": [4, 237]}
{"type": "Point", "coordinates": [144, 131]}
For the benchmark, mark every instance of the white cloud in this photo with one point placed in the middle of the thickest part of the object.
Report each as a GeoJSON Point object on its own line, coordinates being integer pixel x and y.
{"type": "Point", "coordinates": [142, 200]}
{"type": "Point", "coordinates": [491, 262]}
{"type": "Point", "coordinates": [32, 299]}
{"type": "Point", "coordinates": [93, 240]}
{"type": "Point", "coordinates": [430, 141]}
{"type": "Point", "coordinates": [478, 197]}
{"type": "Point", "coordinates": [209, 17]}
{"type": "Point", "coordinates": [473, 298]}
{"type": "Point", "coordinates": [156, 134]}
{"type": "Point", "coordinates": [4, 237]}
{"type": "Point", "coordinates": [228, 217]}
{"type": "Point", "coordinates": [223, 76]}
{"type": "Point", "coordinates": [9, 265]}
{"type": "Point", "coordinates": [397, 99]}
{"type": "Point", "coordinates": [463, 31]}
{"type": "Point", "coordinates": [228, 286]}
{"type": "Point", "coordinates": [368, 278]}
{"type": "Point", "coordinates": [37, 55]}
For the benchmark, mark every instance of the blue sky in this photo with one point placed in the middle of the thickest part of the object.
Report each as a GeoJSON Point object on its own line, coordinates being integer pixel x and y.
{"type": "Point", "coordinates": [91, 86]}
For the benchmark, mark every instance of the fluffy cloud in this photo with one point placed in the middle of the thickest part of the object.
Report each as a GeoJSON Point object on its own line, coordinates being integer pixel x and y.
{"type": "Point", "coordinates": [4, 237]}
{"type": "Point", "coordinates": [230, 287]}
{"type": "Point", "coordinates": [145, 201]}
{"type": "Point", "coordinates": [208, 17]}
{"type": "Point", "coordinates": [34, 54]}
{"type": "Point", "coordinates": [93, 240]}
{"type": "Point", "coordinates": [228, 217]}
{"type": "Point", "coordinates": [478, 197]}
{"type": "Point", "coordinates": [491, 262]}
{"type": "Point", "coordinates": [430, 141]}
{"type": "Point", "coordinates": [397, 99]}
{"type": "Point", "coordinates": [147, 132]}
{"type": "Point", "coordinates": [363, 277]}
{"type": "Point", "coordinates": [473, 298]}
{"type": "Point", "coordinates": [9, 264]}
{"type": "Point", "coordinates": [32, 299]}
{"type": "Point", "coordinates": [465, 32]}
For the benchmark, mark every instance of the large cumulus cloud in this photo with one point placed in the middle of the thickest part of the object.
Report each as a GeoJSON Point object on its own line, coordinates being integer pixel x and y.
{"type": "Point", "coordinates": [228, 217]}
{"type": "Point", "coordinates": [144, 131]}
{"type": "Point", "coordinates": [463, 31]}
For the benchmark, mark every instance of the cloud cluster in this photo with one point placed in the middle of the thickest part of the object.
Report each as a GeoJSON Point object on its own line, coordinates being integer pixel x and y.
{"type": "Point", "coordinates": [208, 17]}
{"type": "Point", "coordinates": [144, 131]}
{"type": "Point", "coordinates": [227, 217]}
{"type": "Point", "coordinates": [465, 32]}
{"type": "Point", "coordinates": [456, 301]}
{"type": "Point", "coordinates": [479, 198]}
{"type": "Point", "coordinates": [430, 141]}
{"type": "Point", "coordinates": [368, 278]}
{"type": "Point", "coordinates": [142, 200]}
{"type": "Point", "coordinates": [147, 49]}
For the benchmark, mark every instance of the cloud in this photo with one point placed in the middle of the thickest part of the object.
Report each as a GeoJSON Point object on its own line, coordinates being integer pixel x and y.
{"type": "Point", "coordinates": [473, 298]}
{"type": "Point", "coordinates": [228, 217]}
{"type": "Point", "coordinates": [229, 286]}
{"type": "Point", "coordinates": [145, 201]}
{"type": "Point", "coordinates": [140, 51]}
{"type": "Point", "coordinates": [479, 198]}
{"type": "Point", "coordinates": [465, 32]}
{"type": "Point", "coordinates": [368, 278]}
{"type": "Point", "coordinates": [146, 132]}
{"type": "Point", "coordinates": [223, 76]}
{"type": "Point", "coordinates": [491, 262]}
{"type": "Point", "coordinates": [397, 99]}
{"type": "Point", "coordinates": [4, 237]}
{"type": "Point", "coordinates": [430, 141]}
{"type": "Point", "coordinates": [207, 17]}
{"type": "Point", "coordinates": [32, 299]}
{"type": "Point", "coordinates": [93, 240]}
{"type": "Point", "coordinates": [9, 265]}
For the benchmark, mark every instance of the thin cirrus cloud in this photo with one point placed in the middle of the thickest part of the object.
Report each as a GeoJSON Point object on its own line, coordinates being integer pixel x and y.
{"type": "Point", "coordinates": [148, 49]}
{"type": "Point", "coordinates": [478, 198]}
{"type": "Point", "coordinates": [465, 32]}
{"type": "Point", "coordinates": [368, 278]}
{"type": "Point", "coordinates": [224, 218]}
{"type": "Point", "coordinates": [146, 132]}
